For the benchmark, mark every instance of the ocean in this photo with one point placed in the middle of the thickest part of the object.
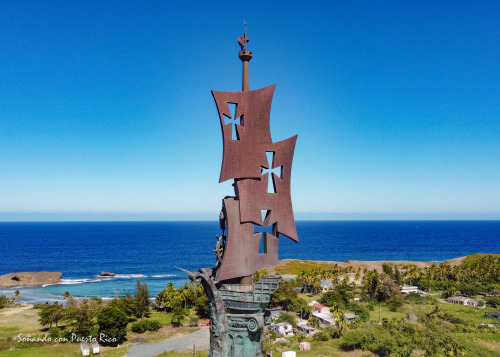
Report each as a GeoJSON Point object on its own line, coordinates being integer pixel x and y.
{"type": "Point", "coordinates": [151, 250]}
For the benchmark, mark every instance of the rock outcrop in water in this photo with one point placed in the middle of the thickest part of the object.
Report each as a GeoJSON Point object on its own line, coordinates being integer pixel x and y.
{"type": "Point", "coordinates": [105, 273]}
{"type": "Point", "coordinates": [29, 279]}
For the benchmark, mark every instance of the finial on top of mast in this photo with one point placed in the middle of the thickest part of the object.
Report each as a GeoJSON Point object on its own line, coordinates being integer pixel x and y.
{"type": "Point", "coordinates": [245, 57]}
{"type": "Point", "coordinates": [243, 40]}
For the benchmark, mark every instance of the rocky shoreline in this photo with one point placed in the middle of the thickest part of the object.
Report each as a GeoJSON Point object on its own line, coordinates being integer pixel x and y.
{"type": "Point", "coordinates": [29, 279]}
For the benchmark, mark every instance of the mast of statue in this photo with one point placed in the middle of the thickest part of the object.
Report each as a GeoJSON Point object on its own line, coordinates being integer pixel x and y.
{"type": "Point", "coordinates": [245, 57]}
{"type": "Point", "coordinates": [237, 303]}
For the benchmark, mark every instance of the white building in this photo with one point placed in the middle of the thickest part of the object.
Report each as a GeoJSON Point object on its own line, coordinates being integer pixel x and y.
{"type": "Point", "coordinates": [284, 329]}
{"type": "Point", "coordinates": [406, 289]}
{"type": "Point", "coordinates": [303, 326]}
{"type": "Point", "coordinates": [323, 314]}
{"type": "Point", "coordinates": [464, 300]}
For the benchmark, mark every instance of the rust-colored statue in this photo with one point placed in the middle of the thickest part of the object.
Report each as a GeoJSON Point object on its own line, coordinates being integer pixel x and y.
{"type": "Point", "coordinates": [261, 171]}
{"type": "Point", "coordinates": [244, 160]}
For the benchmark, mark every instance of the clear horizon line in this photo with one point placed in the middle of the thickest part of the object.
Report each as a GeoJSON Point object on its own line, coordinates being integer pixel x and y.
{"type": "Point", "coordinates": [154, 217]}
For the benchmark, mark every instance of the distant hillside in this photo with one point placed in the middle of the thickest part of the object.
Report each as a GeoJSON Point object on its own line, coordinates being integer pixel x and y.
{"type": "Point", "coordinates": [295, 266]}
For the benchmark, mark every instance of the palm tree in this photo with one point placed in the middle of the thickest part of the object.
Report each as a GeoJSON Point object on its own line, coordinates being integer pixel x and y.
{"type": "Point", "coordinates": [17, 295]}
{"type": "Point", "coordinates": [340, 323]}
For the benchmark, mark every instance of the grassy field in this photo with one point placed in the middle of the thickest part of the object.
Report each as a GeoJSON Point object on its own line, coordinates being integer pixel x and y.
{"type": "Point", "coordinates": [19, 319]}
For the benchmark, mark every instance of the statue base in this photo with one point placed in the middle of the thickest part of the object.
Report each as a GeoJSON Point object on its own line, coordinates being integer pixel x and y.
{"type": "Point", "coordinates": [237, 314]}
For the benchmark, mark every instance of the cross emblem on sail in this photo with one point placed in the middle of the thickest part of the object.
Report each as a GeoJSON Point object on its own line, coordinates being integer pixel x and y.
{"type": "Point", "coordinates": [244, 160]}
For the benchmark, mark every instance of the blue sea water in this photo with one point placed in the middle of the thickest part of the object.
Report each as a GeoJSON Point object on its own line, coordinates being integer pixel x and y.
{"type": "Point", "coordinates": [150, 250]}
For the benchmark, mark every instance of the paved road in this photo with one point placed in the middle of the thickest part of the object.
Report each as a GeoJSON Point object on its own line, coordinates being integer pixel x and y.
{"type": "Point", "coordinates": [200, 338]}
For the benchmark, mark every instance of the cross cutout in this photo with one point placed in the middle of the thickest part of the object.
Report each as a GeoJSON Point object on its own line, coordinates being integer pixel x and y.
{"type": "Point", "coordinates": [271, 187]}
{"type": "Point", "coordinates": [262, 230]}
{"type": "Point", "coordinates": [263, 239]}
{"type": "Point", "coordinates": [233, 122]}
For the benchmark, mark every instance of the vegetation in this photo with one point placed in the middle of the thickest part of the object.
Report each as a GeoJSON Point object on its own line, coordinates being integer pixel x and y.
{"type": "Point", "coordinates": [179, 301]}
{"type": "Point", "coordinates": [145, 325]}
{"type": "Point", "coordinates": [50, 314]}
{"type": "Point", "coordinates": [4, 301]}
{"type": "Point", "coordinates": [112, 325]}
{"type": "Point", "coordinates": [409, 325]}
{"type": "Point", "coordinates": [141, 297]}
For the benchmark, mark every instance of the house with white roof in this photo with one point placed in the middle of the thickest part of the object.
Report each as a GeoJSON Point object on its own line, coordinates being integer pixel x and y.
{"type": "Point", "coordinates": [464, 300]}
{"type": "Point", "coordinates": [407, 289]}
{"type": "Point", "coordinates": [302, 325]}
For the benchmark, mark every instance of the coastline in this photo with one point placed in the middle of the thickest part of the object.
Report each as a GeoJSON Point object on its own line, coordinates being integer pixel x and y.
{"type": "Point", "coordinates": [112, 286]}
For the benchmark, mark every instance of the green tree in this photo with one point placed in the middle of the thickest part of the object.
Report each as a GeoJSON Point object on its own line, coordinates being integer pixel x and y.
{"type": "Point", "coordinates": [127, 304]}
{"type": "Point", "coordinates": [387, 290]}
{"type": "Point", "coordinates": [141, 296]}
{"type": "Point", "coordinates": [112, 325]}
{"type": "Point", "coordinates": [50, 314]}
{"type": "Point", "coordinates": [178, 314]}
{"type": "Point", "coordinates": [202, 306]}
{"type": "Point", "coordinates": [340, 296]}
{"type": "Point", "coordinates": [45, 315]}
{"type": "Point", "coordinates": [79, 314]}
{"type": "Point", "coordinates": [284, 317]}
{"type": "Point", "coordinates": [284, 295]}
{"type": "Point", "coordinates": [300, 306]}
{"type": "Point", "coordinates": [387, 268]}
{"type": "Point", "coordinates": [370, 284]}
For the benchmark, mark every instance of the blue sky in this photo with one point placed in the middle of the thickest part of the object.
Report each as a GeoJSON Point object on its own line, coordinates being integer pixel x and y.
{"type": "Point", "coordinates": [106, 110]}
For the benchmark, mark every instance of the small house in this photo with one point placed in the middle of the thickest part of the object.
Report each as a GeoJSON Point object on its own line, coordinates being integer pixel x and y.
{"type": "Point", "coordinates": [321, 309]}
{"type": "Point", "coordinates": [349, 317]}
{"type": "Point", "coordinates": [304, 327]}
{"type": "Point", "coordinates": [283, 329]}
{"type": "Point", "coordinates": [464, 300]}
{"type": "Point", "coordinates": [407, 289]}
{"type": "Point", "coordinates": [493, 314]}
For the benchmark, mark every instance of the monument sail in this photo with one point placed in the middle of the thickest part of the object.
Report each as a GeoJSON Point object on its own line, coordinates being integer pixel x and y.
{"type": "Point", "coordinates": [245, 159]}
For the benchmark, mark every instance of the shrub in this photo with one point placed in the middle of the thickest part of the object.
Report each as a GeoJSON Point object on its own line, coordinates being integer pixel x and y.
{"type": "Point", "coordinates": [4, 301]}
{"type": "Point", "coordinates": [353, 339]}
{"type": "Point", "coordinates": [371, 305]}
{"type": "Point", "coordinates": [202, 306]}
{"type": "Point", "coordinates": [152, 325]}
{"type": "Point", "coordinates": [395, 302]}
{"type": "Point", "coordinates": [54, 332]}
{"type": "Point", "coordinates": [322, 336]}
{"type": "Point", "coordinates": [138, 327]}
{"type": "Point", "coordinates": [493, 301]}
{"type": "Point", "coordinates": [145, 325]}
{"type": "Point", "coordinates": [414, 298]}
{"type": "Point", "coordinates": [363, 314]}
